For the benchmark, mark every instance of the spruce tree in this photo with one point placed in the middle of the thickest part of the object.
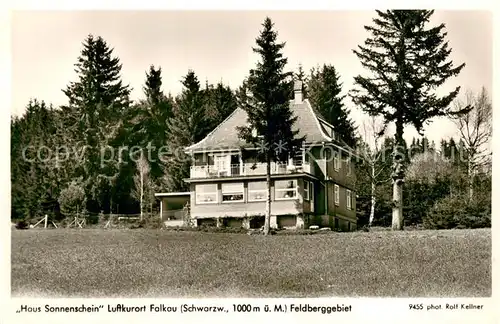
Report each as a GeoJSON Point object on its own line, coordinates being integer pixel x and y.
{"type": "Point", "coordinates": [325, 95]}
{"type": "Point", "coordinates": [149, 122]}
{"type": "Point", "coordinates": [152, 87]}
{"type": "Point", "coordinates": [187, 126]}
{"type": "Point", "coordinates": [301, 76]}
{"type": "Point", "coordinates": [98, 102]}
{"type": "Point", "coordinates": [189, 123]}
{"type": "Point", "coordinates": [408, 61]}
{"type": "Point", "coordinates": [220, 102]}
{"type": "Point", "coordinates": [34, 173]}
{"type": "Point", "coordinates": [268, 108]}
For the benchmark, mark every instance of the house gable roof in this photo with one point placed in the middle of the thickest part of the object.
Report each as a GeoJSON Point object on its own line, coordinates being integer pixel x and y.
{"type": "Point", "coordinates": [225, 135]}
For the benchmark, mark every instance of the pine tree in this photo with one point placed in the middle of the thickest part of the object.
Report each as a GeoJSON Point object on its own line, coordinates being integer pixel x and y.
{"type": "Point", "coordinates": [408, 61]}
{"type": "Point", "coordinates": [98, 102]}
{"type": "Point", "coordinates": [325, 95]}
{"type": "Point", "coordinates": [268, 108]}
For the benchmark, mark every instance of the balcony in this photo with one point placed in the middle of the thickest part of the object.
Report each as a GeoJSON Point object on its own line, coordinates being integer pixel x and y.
{"type": "Point", "coordinates": [247, 169]}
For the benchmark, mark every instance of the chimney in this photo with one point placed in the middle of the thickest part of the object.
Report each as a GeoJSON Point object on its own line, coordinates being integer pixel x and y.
{"type": "Point", "coordinates": [297, 91]}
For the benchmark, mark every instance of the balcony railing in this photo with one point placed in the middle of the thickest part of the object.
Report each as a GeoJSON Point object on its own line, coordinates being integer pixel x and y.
{"type": "Point", "coordinates": [247, 169]}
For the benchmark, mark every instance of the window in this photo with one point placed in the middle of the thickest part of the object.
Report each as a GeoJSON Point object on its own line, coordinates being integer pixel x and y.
{"type": "Point", "coordinates": [257, 191]}
{"type": "Point", "coordinates": [206, 193]}
{"type": "Point", "coordinates": [285, 189]}
{"type": "Point", "coordinates": [337, 194]}
{"type": "Point", "coordinates": [327, 153]}
{"type": "Point", "coordinates": [221, 163]}
{"type": "Point", "coordinates": [349, 199]}
{"type": "Point", "coordinates": [232, 192]}
{"type": "Point", "coordinates": [307, 186]}
{"type": "Point", "coordinates": [348, 162]}
{"type": "Point", "coordinates": [336, 164]}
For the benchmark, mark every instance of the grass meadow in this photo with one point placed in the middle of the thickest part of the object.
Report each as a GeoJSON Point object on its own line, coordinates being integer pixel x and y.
{"type": "Point", "coordinates": [161, 263]}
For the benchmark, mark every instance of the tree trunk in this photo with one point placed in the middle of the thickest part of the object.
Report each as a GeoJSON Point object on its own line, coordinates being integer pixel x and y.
{"type": "Point", "coordinates": [142, 193]}
{"type": "Point", "coordinates": [267, 221]}
{"type": "Point", "coordinates": [397, 208]}
{"type": "Point", "coordinates": [372, 207]}
{"type": "Point", "coordinates": [398, 179]}
{"type": "Point", "coordinates": [470, 178]}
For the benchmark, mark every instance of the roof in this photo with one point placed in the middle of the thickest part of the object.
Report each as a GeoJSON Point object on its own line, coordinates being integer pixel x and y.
{"type": "Point", "coordinates": [225, 135]}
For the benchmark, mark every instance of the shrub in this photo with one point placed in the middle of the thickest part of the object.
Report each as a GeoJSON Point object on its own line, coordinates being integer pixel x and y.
{"type": "Point", "coordinates": [148, 222]}
{"type": "Point", "coordinates": [459, 212]}
{"type": "Point", "coordinates": [72, 199]}
{"type": "Point", "coordinates": [92, 219]}
{"type": "Point", "coordinates": [303, 232]}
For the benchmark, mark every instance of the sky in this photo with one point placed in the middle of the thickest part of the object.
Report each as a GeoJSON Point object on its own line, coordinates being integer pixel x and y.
{"type": "Point", "coordinates": [217, 45]}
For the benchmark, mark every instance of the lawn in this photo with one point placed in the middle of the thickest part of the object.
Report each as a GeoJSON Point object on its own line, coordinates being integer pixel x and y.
{"type": "Point", "coordinates": [159, 263]}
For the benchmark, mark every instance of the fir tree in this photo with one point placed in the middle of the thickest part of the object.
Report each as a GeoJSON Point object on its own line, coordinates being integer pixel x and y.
{"type": "Point", "coordinates": [268, 108]}
{"type": "Point", "coordinates": [325, 95]}
{"type": "Point", "coordinates": [408, 61]}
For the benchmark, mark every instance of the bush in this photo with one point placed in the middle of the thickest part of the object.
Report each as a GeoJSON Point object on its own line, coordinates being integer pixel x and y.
{"type": "Point", "coordinates": [149, 223]}
{"type": "Point", "coordinates": [459, 212]}
{"type": "Point", "coordinates": [222, 229]}
{"type": "Point", "coordinates": [22, 225]}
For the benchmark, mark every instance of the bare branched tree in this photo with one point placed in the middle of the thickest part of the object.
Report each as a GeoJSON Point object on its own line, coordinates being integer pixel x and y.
{"type": "Point", "coordinates": [372, 136]}
{"type": "Point", "coordinates": [142, 183]}
{"type": "Point", "coordinates": [475, 129]}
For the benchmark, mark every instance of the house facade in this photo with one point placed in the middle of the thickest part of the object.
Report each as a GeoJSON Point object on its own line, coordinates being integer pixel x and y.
{"type": "Point", "coordinates": [316, 187]}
